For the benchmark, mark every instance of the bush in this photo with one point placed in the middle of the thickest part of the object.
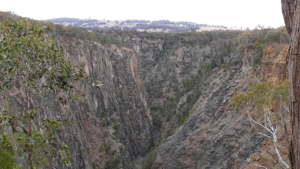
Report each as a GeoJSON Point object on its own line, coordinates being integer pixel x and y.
{"type": "Point", "coordinates": [263, 94]}
{"type": "Point", "coordinates": [213, 64]}
{"type": "Point", "coordinates": [149, 159]}
{"type": "Point", "coordinates": [113, 163]}
{"type": "Point", "coordinates": [257, 61]}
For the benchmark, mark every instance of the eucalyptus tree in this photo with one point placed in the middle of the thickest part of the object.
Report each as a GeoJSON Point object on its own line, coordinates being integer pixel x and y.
{"type": "Point", "coordinates": [31, 65]}
{"type": "Point", "coordinates": [291, 14]}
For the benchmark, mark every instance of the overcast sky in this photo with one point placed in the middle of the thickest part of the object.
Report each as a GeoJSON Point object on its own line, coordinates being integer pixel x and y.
{"type": "Point", "coordinates": [239, 13]}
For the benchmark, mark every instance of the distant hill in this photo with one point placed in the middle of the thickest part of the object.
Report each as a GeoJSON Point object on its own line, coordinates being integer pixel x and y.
{"type": "Point", "coordinates": [139, 25]}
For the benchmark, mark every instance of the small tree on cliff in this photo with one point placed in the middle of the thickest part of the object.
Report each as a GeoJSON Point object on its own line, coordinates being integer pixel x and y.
{"type": "Point", "coordinates": [31, 65]}
{"type": "Point", "coordinates": [291, 14]}
{"type": "Point", "coordinates": [269, 100]}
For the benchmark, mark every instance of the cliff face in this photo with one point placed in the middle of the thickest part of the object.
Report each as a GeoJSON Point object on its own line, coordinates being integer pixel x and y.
{"type": "Point", "coordinates": [275, 64]}
{"type": "Point", "coordinates": [172, 95]}
{"type": "Point", "coordinates": [174, 71]}
{"type": "Point", "coordinates": [113, 124]}
{"type": "Point", "coordinates": [216, 136]}
{"type": "Point", "coordinates": [219, 136]}
{"type": "Point", "coordinates": [165, 98]}
{"type": "Point", "coordinates": [275, 70]}
{"type": "Point", "coordinates": [116, 125]}
{"type": "Point", "coordinates": [169, 95]}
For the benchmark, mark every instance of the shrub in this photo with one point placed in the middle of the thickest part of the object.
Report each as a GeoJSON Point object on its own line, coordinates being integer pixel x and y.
{"type": "Point", "coordinates": [149, 159]}
{"type": "Point", "coordinates": [263, 94]}
{"type": "Point", "coordinates": [257, 61]}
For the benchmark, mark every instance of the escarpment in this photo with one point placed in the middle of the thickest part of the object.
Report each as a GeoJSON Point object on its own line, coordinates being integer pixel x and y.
{"type": "Point", "coordinates": [113, 124]}
{"type": "Point", "coordinates": [163, 100]}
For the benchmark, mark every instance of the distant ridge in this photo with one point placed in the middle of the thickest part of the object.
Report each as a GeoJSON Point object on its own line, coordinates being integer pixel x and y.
{"type": "Point", "coordinates": [138, 25]}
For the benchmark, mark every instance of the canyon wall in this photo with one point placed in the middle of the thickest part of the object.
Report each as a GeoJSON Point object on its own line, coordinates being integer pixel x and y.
{"type": "Point", "coordinates": [169, 97]}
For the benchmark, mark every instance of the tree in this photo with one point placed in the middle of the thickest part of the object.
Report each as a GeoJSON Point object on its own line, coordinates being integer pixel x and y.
{"type": "Point", "coordinates": [291, 14]}
{"type": "Point", "coordinates": [269, 100]}
{"type": "Point", "coordinates": [31, 66]}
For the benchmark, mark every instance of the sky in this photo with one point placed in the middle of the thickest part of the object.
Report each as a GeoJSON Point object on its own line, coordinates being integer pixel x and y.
{"type": "Point", "coordinates": [230, 13]}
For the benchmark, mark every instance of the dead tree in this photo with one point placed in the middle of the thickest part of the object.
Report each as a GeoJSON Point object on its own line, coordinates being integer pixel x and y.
{"type": "Point", "coordinates": [269, 130]}
{"type": "Point", "coordinates": [291, 14]}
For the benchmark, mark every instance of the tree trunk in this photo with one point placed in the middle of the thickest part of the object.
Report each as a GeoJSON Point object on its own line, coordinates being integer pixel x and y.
{"type": "Point", "coordinates": [291, 12]}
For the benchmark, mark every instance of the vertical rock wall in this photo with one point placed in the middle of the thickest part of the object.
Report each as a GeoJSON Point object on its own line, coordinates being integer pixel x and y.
{"type": "Point", "coordinates": [113, 126]}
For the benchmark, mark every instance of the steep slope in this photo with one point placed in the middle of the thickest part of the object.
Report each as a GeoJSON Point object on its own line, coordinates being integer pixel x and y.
{"type": "Point", "coordinates": [218, 136]}
{"type": "Point", "coordinates": [119, 108]}
{"type": "Point", "coordinates": [174, 71]}
{"type": "Point", "coordinates": [274, 70]}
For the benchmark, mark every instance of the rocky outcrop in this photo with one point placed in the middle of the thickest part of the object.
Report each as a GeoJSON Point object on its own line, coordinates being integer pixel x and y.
{"type": "Point", "coordinates": [275, 64]}
{"type": "Point", "coordinates": [274, 69]}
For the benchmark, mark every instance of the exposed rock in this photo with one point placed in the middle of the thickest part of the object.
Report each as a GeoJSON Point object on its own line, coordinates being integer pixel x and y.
{"type": "Point", "coordinates": [217, 136]}
{"type": "Point", "coordinates": [113, 124]}
{"type": "Point", "coordinates": [275, 64]}
{"type": "Point", "coordinates": [173, 92]}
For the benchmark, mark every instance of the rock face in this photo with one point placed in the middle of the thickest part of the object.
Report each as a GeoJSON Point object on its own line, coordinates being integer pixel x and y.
{"type": "Point", "coordinates": [174, 69]}
{"type": "Point", "coordinates": [274, 69]}
{"type": "Point", "coordinates": [168, 94]}
{"type": "Point", "coordinates": [165, 98]}
{"type": "Point", "coordinates": [114, 125]}
{"type": "Point", "coordinates": [217, 136]}
{"type": "Point", "coordinates": [275, 64]}
{"type": "Point", "coordinates": [174, 96]}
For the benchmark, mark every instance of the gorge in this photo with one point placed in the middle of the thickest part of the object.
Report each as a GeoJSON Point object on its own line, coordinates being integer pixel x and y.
{"type": "Point", "coordinates": [165, 99]}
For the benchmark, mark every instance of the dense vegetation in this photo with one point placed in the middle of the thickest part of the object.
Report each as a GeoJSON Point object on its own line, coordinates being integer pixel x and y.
{"type": "Point", "coordinates": [31, 66]}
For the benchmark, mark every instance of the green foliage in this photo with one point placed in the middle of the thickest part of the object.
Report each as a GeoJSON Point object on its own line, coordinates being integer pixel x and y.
{"type": "Point", "coordinates": [258, 39]}
{"type": "Point", "coordinates": [30, 63]}
{"type": "Point", "coordinates": [106, 148]}
{"type": "Point", "coordinates": [27, 56]}
{"type": "Point", "coordinates": [257, 61]}
{"type": "Point", "coordinates": [7, 153]}
{"type": "Point", "coordinates": [222, 60]}
{"type": "Point", "coordinates": [184, 112]}
{"type": "Point", "coordinates": [65, 155]}
{"type": "Point", "coordinates": [113, 163]}
{"type": "Point", "coordinates": [104, 114]}
{"type": "Point", "coordinates": [149, 159]}
{"type": "Point", "coordinates": [9, 16]}
{"type": "Point", "coordinates": [213, 64]}
{"type": "Point", "coordinates": [189, 85]}
{"type": "Point", "coordinates": [263, 94]}
{"type": "Point", "coordinates": [155, 108]}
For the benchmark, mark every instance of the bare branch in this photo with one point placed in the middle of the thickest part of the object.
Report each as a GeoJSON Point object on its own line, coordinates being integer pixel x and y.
{"type": "Point", "coordinates": [260, 166]}
{"type": "Point", "coordinates": [252, 120]}
{"type": "Point", "coordinates": [273, 131]}
{"type": "Point", "coordinates": [286, 108]}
